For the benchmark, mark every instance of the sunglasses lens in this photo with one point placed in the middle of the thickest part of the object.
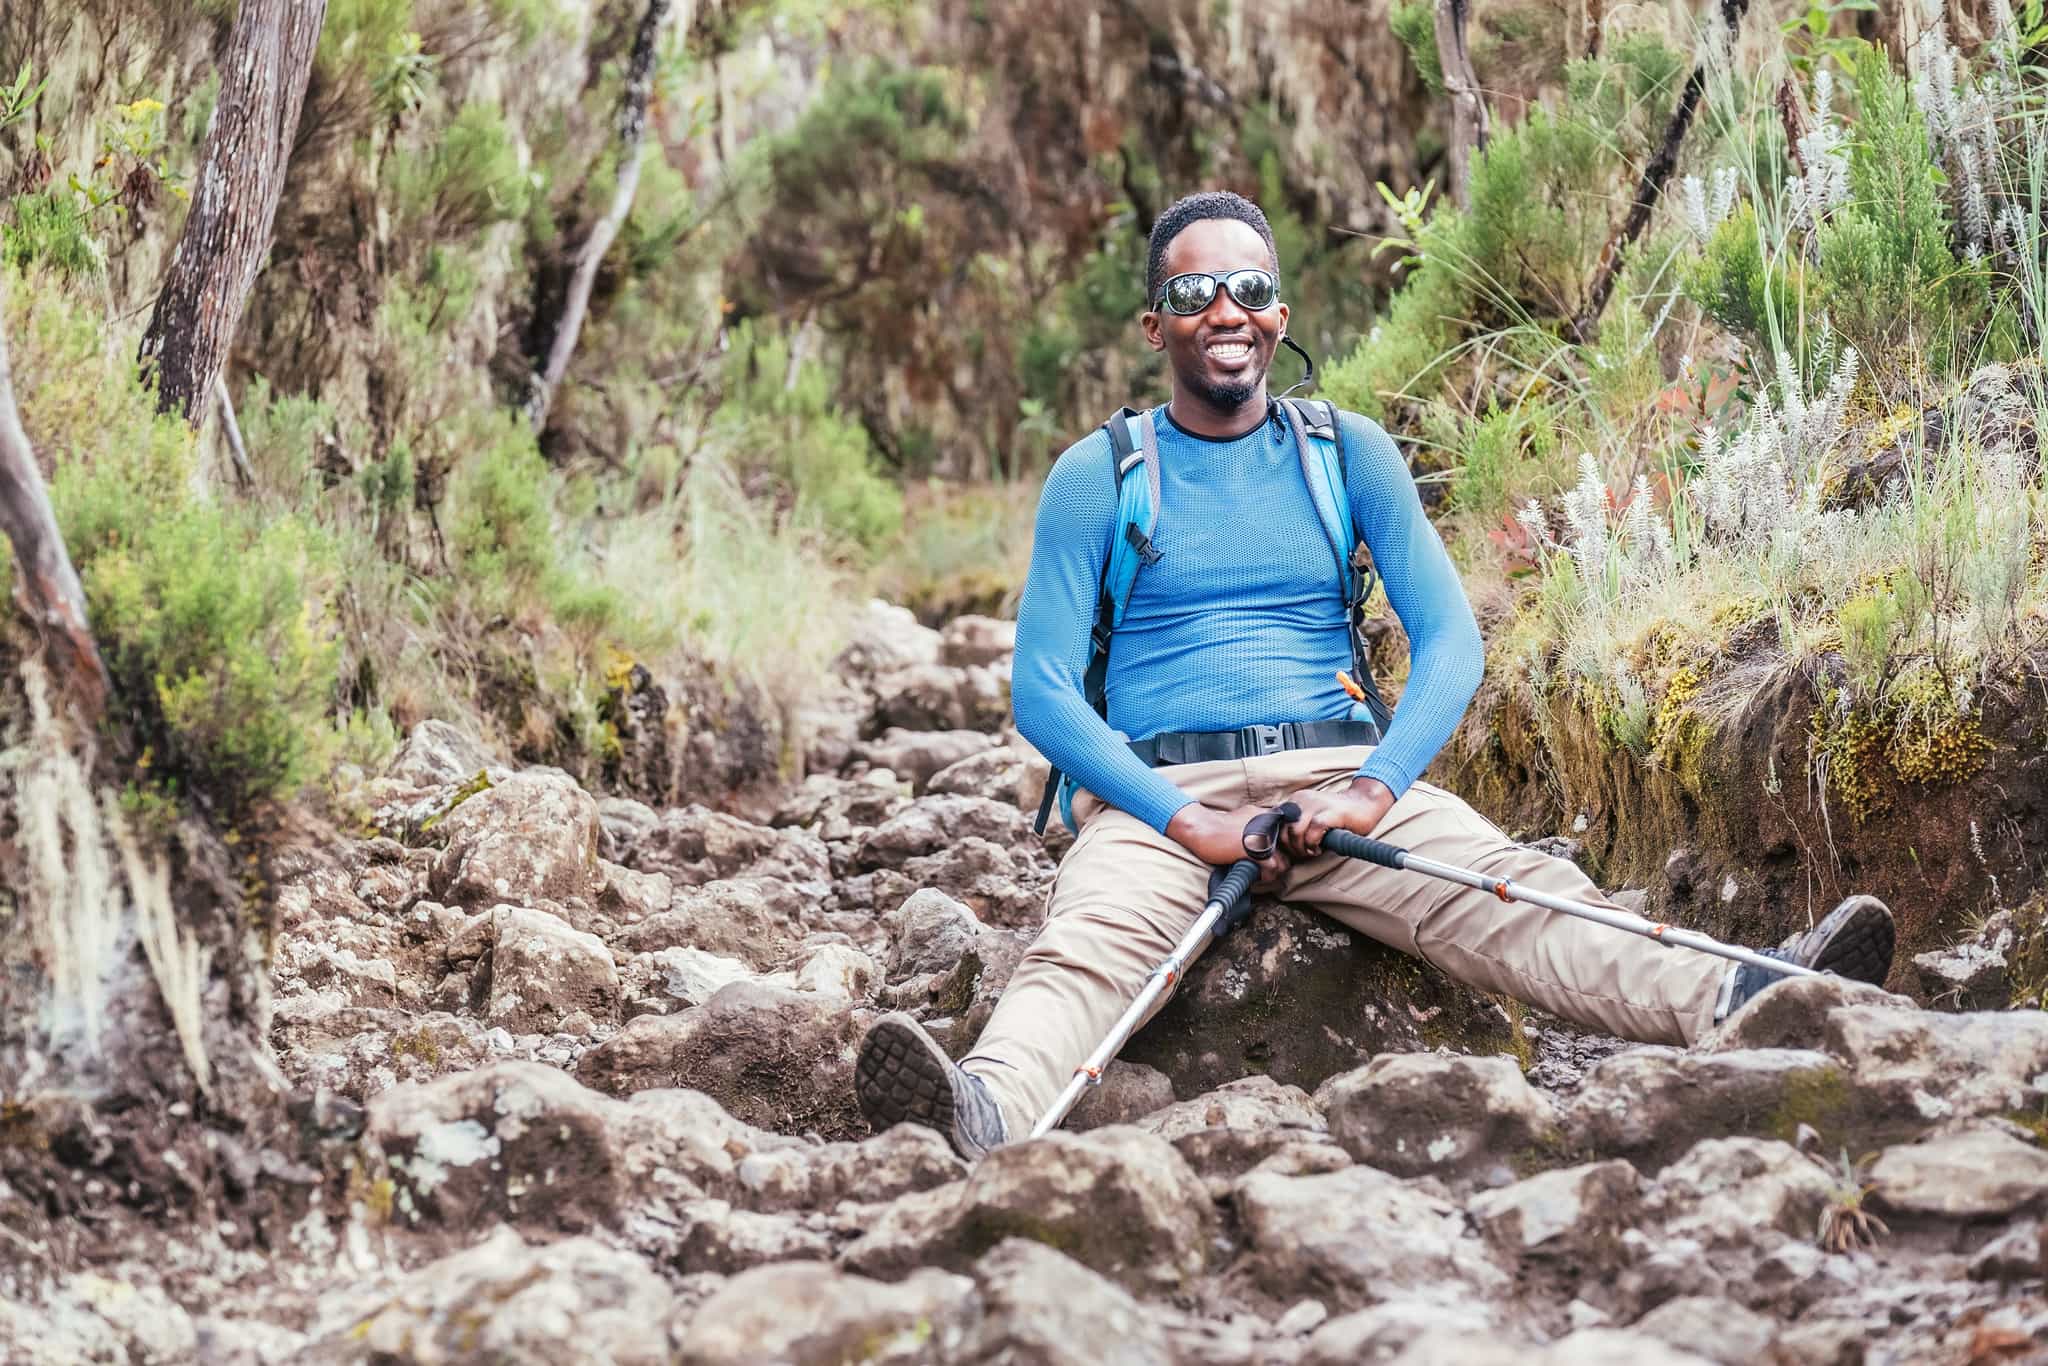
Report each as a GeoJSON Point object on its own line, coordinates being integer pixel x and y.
{"type": "Point", "coordinates": [1254, 289]}
{"type": "Point", "coordinates": [1189, 293]}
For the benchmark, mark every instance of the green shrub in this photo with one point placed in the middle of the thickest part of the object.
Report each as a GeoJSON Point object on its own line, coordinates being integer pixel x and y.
{"type": "Point", "coordinates": [1414, 23]}
{"type": "Point", "coordinates": [281, 433]}
{"type": "Point", "coordinates": [468, 178]}
{"type": "Point", "coordinates": [787, 425]}
{"type": "Point", "coordinates": [212, 617]}
{"type": "Point", "coordinates": [501, 526]}
{"type": "Point", "coordinates": [50, 228]}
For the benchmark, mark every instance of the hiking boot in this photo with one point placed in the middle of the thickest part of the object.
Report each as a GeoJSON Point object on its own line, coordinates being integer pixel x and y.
{"type": "Point", "coordinates": [1854, 940]}
{"type": "Point", "coordinates": [903, 1076]}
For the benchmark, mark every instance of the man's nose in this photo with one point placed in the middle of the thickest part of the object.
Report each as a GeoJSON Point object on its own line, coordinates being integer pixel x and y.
{"type": "Point", "coordinates": [1225, 311]}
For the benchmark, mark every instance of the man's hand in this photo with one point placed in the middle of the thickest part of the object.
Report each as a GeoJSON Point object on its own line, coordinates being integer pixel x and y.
{"type": "Point", "coordinates": [1358, 808]}
{"type": "Point", "coordinates": [1217, 838]}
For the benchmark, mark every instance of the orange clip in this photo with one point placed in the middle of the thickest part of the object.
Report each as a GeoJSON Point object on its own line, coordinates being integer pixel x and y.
{"type": "Point", "coordinates": [1357, 693]}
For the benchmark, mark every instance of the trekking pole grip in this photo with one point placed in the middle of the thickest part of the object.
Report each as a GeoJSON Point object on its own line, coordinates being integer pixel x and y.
{"type": "Point", "coordinates": [1363, 847]}
{"type": "Point", "coordinates": [1262, 832]}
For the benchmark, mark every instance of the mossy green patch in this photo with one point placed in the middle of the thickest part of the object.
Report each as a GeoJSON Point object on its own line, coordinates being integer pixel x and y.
{"type": "Point", "coordinates": [479, 783]}
{"type": "Point", "coordinates": [1821, 1098]}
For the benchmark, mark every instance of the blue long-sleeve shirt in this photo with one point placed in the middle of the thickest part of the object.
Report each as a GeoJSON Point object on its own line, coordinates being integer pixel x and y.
{"type": "Point", "coordinates": [1241, 621]}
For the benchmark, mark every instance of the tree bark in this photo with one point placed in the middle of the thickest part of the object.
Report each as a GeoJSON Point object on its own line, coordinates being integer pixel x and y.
{"type": "Point", "coordinates": [234, 199]}
{"type": "Point", "coordinates": [1470, 126]}
{"type": "Point", "coordinates": [46, 585]}
{"type": "Point", "coordinates": [632, 133]}
{"type": "Point", "coordinates": [1652, 185]}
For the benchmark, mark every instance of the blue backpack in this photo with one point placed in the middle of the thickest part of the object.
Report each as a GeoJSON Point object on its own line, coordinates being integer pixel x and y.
{"type": "Point", "coordinates": [1319, 439]}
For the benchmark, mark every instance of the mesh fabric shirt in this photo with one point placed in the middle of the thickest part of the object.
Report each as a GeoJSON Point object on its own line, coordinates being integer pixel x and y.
{"type": "Point", "coordinates": [1241, 620]}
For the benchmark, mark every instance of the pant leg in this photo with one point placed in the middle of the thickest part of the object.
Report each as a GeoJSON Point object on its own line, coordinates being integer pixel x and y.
{"type": "Point", "coordinates": [1606, 979]}
{"type": "Point", "coordinates": [1125, 895]}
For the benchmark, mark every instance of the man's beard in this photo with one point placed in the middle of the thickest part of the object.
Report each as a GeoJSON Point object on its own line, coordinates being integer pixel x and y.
{"type": "Point", "coordinates": [1228, 397]}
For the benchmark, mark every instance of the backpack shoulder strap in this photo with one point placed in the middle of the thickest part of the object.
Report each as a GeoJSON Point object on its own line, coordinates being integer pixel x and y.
{"type": "Point", "coordinates": [1319, 440]}
{"type": "Point", "coordinates": [1134, 448]}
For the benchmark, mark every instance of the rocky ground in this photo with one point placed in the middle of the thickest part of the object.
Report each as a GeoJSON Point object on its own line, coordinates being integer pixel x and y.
{"type": "Point", "coordinates": [577, 1078]}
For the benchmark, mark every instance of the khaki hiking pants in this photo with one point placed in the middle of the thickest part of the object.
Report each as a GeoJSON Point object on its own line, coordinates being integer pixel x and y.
{"type": "Point", "coordinates": [1126, 894]}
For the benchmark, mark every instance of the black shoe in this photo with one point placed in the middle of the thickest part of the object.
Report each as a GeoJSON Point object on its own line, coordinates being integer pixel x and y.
{"type": "Point", "coordinates": [1855, 940]}
{"type": "Point", "coordinates": [903, 1076]}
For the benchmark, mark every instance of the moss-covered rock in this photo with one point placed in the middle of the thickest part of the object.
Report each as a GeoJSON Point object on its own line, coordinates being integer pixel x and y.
{"type": "Point", "coordinates": [1298, 997]}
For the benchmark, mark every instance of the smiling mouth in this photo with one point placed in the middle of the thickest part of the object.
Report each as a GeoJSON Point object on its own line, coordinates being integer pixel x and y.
{"type": "Point", "coordinates": [1229, 352]}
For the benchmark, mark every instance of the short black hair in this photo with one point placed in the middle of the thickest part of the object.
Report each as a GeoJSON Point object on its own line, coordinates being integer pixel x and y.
{"type": "Point", "coordinates": [1193, 209]}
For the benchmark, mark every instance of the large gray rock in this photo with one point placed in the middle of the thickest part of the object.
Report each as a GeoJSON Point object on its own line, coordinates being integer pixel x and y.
{"type": "Point", "coordinates": [528, 839]}
{"type": "Point", "coordinates": [906, 1159]}
{"type": "Point", "coordinates": [837, 810]}
{"type": "Point", "coordinates": [1380, 1333]}
{"type": "Point", "coordinates": [1470, 1121]}
{"type": "Point", "coordinates": [930, 933]}
{"type": "Point", "coordinates": [931, 825]}
{"type": "Point", "coordinates": [1794, 1013]}
{"type": "Point", "coordinates": [1003, 886]}
{"type": "Point", "coordinates": [695, 845]}
{"type": "Point", "coordinates": [941, 697]}
{"type": "Point", "coordinates": [1127, 1093]}
{"type": "Point", "coordinates": [1975, 1174]}
{"type": "Point", "coordinates": [621, 821]}
{"type": "Point", "coordinates": [968, 639]}
{"type": "Point", "coordinates": [1040, 1308]}
{"type": "Point", "coordinates": [813, 1314]}
{"type": "Point", "coordinates": [1117, 1200]}
{"type": "Point", "coordinates": [1577, 1213]}
{"type": "Point", "coordinates": [1001, 774]}
{"type": "Point", "coordinates": [754, 920]}
{"type": "Point", "coordinates": [1361, 1236]}
{"type": "Point", "coordinates": [1729, 1191]}
{"type": "Point", "coordinates": [672, 980]}
{"type": "Point", "coordinates": [1719, 1329]}
{"type": "Point", "coordinates": [1298, 997]}
{"type": "Point", "coordinates": [1588, 1347]}
{"type": "Point", "coordinates": [916, 756]}
{"type": "Point", "coordinates": [503, 1303]}
{"type": "Point", "coordinates": [882, 638]}
{"type": "Point", "coordinates": [436, 754]}
{"type": "Point", "coordinates": [533, 971]}
{"type": "Point", "coordinates": [526, 1144]}
{"type": "Point", "coordinates": [779, 1059]}
{"type": "Point", "coordinates": [1924, 1068]}
{"type": "Point", "coordinates": [1230, 1130]}
{"type": "Point", "coordinates": [1650, 1105]}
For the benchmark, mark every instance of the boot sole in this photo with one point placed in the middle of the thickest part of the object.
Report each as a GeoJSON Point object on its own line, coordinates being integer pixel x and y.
{"type": "Point", "coordinates": [902, 1077]}
{"type": "Point", "coordinates": [1856, 940]}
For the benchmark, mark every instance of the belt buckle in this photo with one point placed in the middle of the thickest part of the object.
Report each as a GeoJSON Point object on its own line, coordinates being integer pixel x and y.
{"type": "Point", "coordinates": [1262, 739]}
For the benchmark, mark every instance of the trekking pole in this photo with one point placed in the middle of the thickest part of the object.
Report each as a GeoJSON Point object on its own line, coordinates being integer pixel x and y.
{"type": "Point", "coordinates": [1229, 902]}
{"type": "Point", "coordinates": [1356, 846]}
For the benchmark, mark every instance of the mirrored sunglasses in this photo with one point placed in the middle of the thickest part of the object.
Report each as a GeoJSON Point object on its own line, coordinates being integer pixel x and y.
{"type": "Point", "coordinates": [1254, 290]}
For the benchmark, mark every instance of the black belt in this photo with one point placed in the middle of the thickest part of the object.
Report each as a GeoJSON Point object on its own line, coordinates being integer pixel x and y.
{"type": "Point", "coordinates": [1202, 746]}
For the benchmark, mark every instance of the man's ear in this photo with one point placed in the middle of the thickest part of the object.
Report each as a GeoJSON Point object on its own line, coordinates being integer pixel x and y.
{"type": "Point", "coordinates": [1152, 326]}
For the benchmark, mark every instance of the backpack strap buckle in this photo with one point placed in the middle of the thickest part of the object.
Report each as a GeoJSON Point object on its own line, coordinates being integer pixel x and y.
{"type": "Point", "coordinates": [1256, 740]}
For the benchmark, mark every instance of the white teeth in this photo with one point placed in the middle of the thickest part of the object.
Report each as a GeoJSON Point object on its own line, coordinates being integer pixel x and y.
{"type": "Point", "coordinates": [1230, 350]}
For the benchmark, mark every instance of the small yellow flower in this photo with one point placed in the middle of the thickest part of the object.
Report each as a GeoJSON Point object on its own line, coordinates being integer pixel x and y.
{"type": "Point", "coordinates": [143, 106]}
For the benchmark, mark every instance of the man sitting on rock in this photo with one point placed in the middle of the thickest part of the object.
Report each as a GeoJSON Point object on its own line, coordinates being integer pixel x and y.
{"type": "Point", "coordinates": [1238, 626]}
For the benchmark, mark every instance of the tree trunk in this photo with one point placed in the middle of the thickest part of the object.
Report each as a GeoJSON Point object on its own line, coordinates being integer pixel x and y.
{"type": "Point", "coordinates": [632, 133]}
{"type": "Point", "coordinates": [1469, 124]}
{"type": "Point", "coordinates": [46, 585]}
{"type": "Point", "coordinates": [234, 199]}
{"type": "Point", "coordinates": [1652, 185]}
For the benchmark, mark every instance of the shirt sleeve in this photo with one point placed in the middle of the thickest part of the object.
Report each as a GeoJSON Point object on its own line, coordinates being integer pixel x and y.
{"type": "Point", "coordinates": [1446, 655]}
{"type": "Point", "coordinates": [1069, 546]}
